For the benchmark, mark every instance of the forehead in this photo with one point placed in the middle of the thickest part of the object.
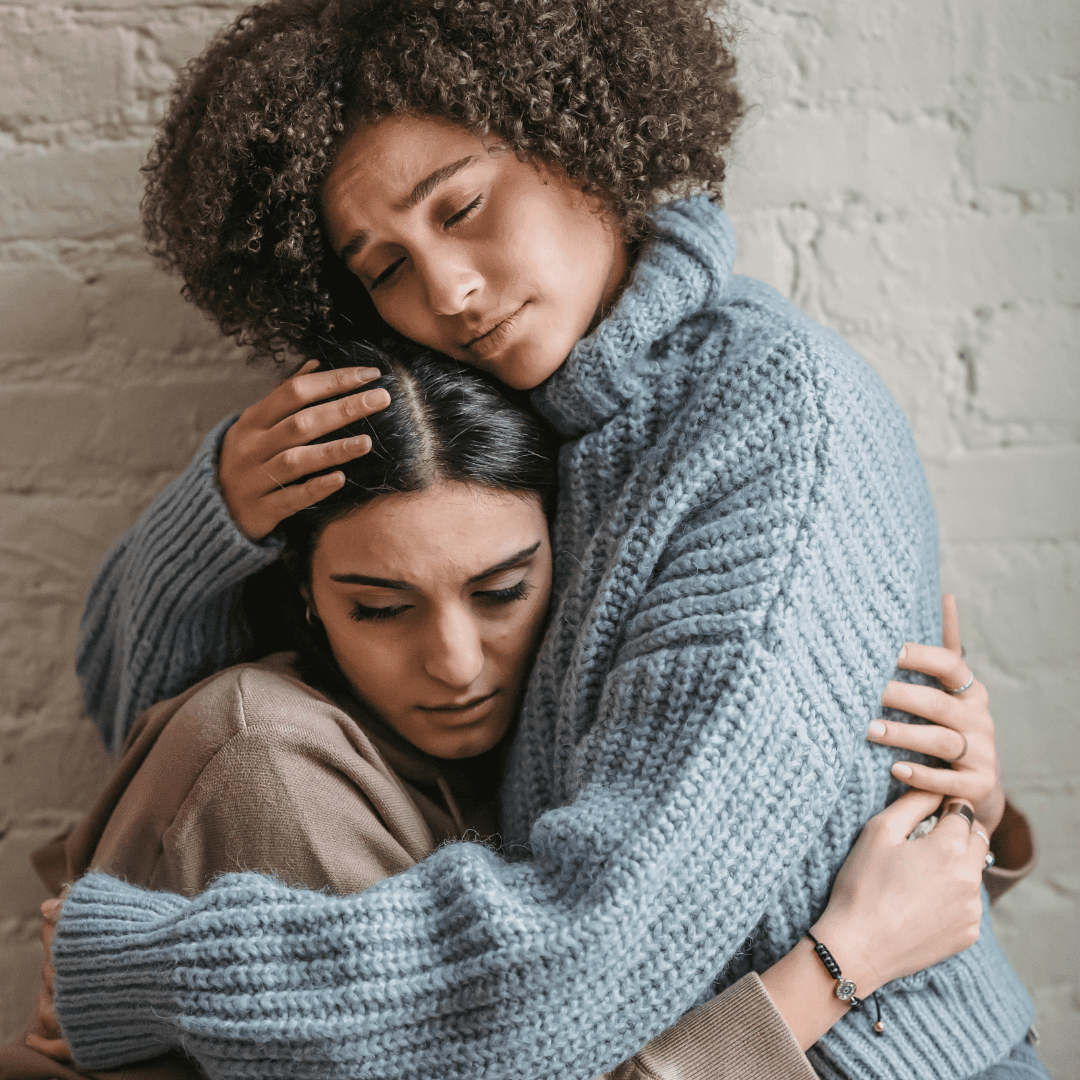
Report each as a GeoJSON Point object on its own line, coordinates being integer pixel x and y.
{"type": "Point", "coordinates": [379, 164]}
{"type": "Point", "coordinates": [442, 535]}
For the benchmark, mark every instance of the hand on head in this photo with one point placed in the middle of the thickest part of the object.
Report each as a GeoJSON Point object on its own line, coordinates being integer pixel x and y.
{"type": "Point", "coordinates": [267, 453]}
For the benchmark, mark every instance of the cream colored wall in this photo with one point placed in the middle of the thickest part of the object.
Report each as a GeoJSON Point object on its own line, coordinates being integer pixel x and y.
{"type": "Point", "coordinates": [908, 173]}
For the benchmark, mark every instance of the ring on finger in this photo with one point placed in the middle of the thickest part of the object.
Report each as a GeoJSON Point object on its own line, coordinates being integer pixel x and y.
{"type": "Point", "coordinates": [979, 832]}
{"type": "Point", "coordinates": [963, 810]}
{"type": "Point", "coordinates": [989, 860]}
{"type": "Point", "coordinates": [966, 686]}
{"type": "Point", "coordinates": [953, 761]}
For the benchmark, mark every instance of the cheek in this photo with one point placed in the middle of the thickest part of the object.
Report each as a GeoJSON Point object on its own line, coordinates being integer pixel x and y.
{"type": "Point", "coordinates": [405, 310]}
{"type": "Point", "coordinates": [372, 668]}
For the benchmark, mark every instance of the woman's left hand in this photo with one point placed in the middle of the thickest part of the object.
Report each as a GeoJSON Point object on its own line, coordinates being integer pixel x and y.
{"type": "Point", "coordinates": [962, 731]}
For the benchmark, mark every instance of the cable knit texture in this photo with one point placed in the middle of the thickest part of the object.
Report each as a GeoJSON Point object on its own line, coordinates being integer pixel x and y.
{"type": "Point", "coordinates": [744, 539]}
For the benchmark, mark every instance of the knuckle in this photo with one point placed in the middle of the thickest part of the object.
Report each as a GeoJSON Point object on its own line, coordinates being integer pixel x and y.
{"type": "Point", "coordinates": [302, 426]}
{"type": "Point", "coordinates": [289, 459]}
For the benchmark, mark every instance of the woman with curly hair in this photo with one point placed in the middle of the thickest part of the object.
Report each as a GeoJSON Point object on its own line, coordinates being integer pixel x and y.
{"type": "Point", "coordinates": [744, 540]}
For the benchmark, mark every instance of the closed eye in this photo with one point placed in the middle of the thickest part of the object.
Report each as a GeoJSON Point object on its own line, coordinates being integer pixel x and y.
{"type": "Point", "coordinates": [506, 596]}
{"type": "Point", "coordinates": [387, 274]}
{"type": "Point", "coordinates": [363, 613]}
{"type": "Point", "coordinates": [463, 214]}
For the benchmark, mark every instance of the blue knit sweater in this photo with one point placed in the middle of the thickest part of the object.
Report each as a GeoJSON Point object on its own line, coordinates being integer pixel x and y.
{"type": "Point", "coordinates": [743, 541]}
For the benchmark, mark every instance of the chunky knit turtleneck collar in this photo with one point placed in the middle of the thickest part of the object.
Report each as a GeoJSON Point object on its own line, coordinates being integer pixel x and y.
{"type": "Point", "coordinates": [683, 267]}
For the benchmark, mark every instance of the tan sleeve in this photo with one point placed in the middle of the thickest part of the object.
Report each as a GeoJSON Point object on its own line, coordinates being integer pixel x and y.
{"type": "Point", "coordinates": [256, 772]}
{"type": "Point", "coordinates": [279, 801]}
{"type": "Point", "coordinates": [739, 1035]}
{"type": "Point", "coordinates": [1013, 845]}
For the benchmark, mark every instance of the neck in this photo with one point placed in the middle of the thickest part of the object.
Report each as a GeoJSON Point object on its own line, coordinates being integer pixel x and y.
{"type": "Point", "coordinates": [622, 263]}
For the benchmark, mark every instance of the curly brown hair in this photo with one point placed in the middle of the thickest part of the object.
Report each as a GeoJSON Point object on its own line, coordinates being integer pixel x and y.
{"type": "Point", "coordinates": [632, 99]}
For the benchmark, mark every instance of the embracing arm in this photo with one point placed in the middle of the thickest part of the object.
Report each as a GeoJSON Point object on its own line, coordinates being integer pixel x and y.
{"type": "Point", "coordinates": [165, 609]}
{"type": "Point", "coordinates": [716, 754]}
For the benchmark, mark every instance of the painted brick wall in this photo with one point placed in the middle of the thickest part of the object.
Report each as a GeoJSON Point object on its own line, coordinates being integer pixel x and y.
{"type": "Point", "coordinates": [908, 173]}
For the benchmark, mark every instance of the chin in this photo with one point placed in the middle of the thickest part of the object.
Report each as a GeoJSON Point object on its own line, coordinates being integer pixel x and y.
{"type": "Point", "coordinates": [467, 749]}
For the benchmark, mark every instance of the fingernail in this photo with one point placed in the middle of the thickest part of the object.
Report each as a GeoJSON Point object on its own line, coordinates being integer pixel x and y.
{"type": "Point", "coordinates": [374, 398]}
{"type": "Point", "coordinates": [365, 374]}
{"type": "Point", "coordinates": [875, 730]}
{"type": "Point", "coordinates": [903, 652]}
{"type": "Point", "coordinates": [360, 442]}
{"type": "Point", "coordinates": [50, 908]}
{"type": "Point", "coordinates": [901, 771]}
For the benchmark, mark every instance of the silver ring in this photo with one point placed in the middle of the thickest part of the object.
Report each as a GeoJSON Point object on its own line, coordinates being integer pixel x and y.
{"type": "Point", "coordinates": [953, 761]}
{"type": "Point", "coordinates": [979, 832]}
{"type": "Point", "coordinates": [989, 861]}
{"type": "Point", "coordinates": [963, 810]}
{"type": "Point", "coordinates": [966, 686]}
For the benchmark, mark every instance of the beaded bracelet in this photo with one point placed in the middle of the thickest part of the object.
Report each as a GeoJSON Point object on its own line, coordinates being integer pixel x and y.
{"type": "Point", "coordinates": [845, 989]}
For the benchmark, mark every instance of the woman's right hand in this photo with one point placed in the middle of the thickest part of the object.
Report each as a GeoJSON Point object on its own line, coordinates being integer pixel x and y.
{"type": "Point", "coordinates": [898, 905]}
{"type": "Point", "coordinates": [266, 451]}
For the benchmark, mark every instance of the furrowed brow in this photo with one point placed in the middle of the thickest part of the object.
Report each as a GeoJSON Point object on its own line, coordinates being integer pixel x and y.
{"type": "Point", "coordinates": [363, 579]}
{"type": "Point", "coordinates": [359, 240]}
{"type": "Point", "coordinates": [507, 564]}
{"type": "Point", "coordinates": [431, 182]}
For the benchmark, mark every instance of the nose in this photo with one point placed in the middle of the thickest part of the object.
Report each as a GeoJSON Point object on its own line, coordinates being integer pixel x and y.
{"type": "Point", "coordinates": [454, 650]}
{"type": "Point", "coordinates": [449, 279]}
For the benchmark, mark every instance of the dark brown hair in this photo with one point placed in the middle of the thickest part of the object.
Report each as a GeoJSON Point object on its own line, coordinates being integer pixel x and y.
{"type": "Point", "coordinates": [445, 422]}
{"type": "Point", "coordinates": [630, 98]}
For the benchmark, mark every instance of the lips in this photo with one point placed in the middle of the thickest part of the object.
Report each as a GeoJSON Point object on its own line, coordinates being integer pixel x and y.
{"type": "Point", "coordinates": [495, 334]}
{"type": "Point", "coordinates": [465, 706]}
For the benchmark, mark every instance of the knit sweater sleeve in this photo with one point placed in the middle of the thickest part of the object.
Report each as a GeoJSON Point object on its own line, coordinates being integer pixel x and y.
{"type": "Point", "coordinates": [716, 752]}
{"type": "Point", "coordinates": [165, 609]}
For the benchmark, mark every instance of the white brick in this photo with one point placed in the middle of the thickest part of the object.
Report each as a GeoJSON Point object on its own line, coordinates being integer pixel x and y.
{"type": "Point", "coordinates": [820, 157]}
{"type": "Point", "coordinates": [60, 71]}
{"type": "Point", "coordinates": [43, 312]}
{"type": "Point", "coordinates": [20, 962]}
{"type": "Point", "coordinates": [1028, 145]}
{"type": "Point", "coordinates": [1017, 494]}
{"type": "Point", "coordinates": [1027, 372]}
{"type": "Point", "coordinates": [963, 262]}
{"type": "Point", "coordinates": [78, 192]}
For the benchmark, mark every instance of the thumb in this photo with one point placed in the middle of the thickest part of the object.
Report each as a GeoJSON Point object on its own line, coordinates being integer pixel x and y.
{"type": "Point", "coordinates": [906, 812]}
{"type": "Point", "coordinates": [950, 624]}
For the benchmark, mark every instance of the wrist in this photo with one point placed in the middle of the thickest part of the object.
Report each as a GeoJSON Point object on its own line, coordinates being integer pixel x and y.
{"type": "Point", "coordinates": [851, 943]}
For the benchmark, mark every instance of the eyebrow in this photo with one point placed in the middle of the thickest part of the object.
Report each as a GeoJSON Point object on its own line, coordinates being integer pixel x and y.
{"type": "Point", "coordinates": [359, 240]}
{"type": "Point", "coordinates": [388, 583]}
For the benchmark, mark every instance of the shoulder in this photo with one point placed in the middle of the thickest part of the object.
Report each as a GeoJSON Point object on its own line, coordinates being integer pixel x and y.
{"type": "Point", "coordinates": [765, 327]}
{"type": "Point", "coordinates": [759, 376]}
{"type": "Point", "coordinates": [263, 702]}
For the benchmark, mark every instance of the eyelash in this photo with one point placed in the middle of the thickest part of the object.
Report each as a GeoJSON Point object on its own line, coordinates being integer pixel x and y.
{"type": "Point", "coordinates": [451, 222]}
{"type": "Point", "coordinates": [363, 613]}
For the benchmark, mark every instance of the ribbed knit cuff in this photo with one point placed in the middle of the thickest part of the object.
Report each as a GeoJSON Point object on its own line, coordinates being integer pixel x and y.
{"type": "Point", "coordinates": [222, 543]}
{"type": "Point", "coordinates": [739, 1035]}
{"type": "Point", "coordinates": [111, 976]}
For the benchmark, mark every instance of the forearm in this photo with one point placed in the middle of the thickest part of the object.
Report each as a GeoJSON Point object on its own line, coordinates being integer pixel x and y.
{"type": "Point", "coordinates": [165, 608]}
